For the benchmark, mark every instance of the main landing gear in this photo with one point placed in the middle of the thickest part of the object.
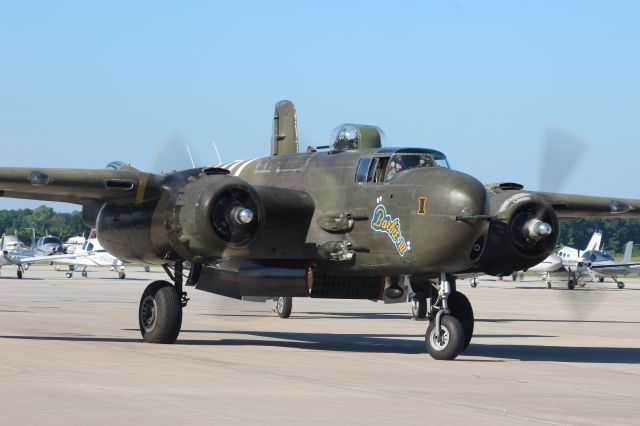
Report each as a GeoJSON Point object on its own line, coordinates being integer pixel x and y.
{"type": "Point", "coordinates": [450, 316]}
{"type": "Point", "coordinates": [620, 284]}
{"type": "Point", "coordinates": [283, 306]}
{"type": "Point", "coordinates": [473, 281]}
{"type": "Point", "coordinates": [573, 281]}
{"type": "Point", "coordinates": [160, 311]}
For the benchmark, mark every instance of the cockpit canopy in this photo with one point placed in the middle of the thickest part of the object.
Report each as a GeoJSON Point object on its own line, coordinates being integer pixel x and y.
{"type": "Point", "coordinates": [48, 240]}
{"type": "Point", "coordinates": [596, 256]}
{"type": "Point", "coordinates": [402, 162]}
{"type": "Point", "coordinates": [347, 137]}
{"type": "Point", "coordinates": [388, 163]}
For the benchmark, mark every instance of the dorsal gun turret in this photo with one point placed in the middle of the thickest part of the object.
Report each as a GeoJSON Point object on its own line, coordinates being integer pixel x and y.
{"type": "Point", "coordinates": [347, 137]}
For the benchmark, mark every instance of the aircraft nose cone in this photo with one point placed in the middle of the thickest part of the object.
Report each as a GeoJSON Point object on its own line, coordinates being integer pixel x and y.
{"type": "Point", "coordinates": [556, 261]}
{"type": "Point", "coordinates": [463, 224]}
{"type": "Point", "coordinates": [467, 196]}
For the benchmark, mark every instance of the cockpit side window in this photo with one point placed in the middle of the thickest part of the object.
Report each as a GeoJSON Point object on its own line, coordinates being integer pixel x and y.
{"type": "Point", "coordinates": [379, 170]}
{"type": "Point", "coordinates": [362, 171]}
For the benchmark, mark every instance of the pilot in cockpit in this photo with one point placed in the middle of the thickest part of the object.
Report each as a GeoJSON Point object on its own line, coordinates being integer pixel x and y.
{"type": "Point", "coordinates": [403, 163]}
{"type": "Point", "coordinates": [395, 167]}
{"type": "Point", "coordinates": [426, 161]}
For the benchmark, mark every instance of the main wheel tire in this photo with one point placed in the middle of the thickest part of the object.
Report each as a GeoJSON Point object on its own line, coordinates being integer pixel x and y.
{"type": "Point", "coordinates": [84, 273]}
{"type": "Point", "coordinates": [69, 274]}
{"type": "Point", "coordinates": [122, 275]}
{"type": "Point", "coordinates": [160, 313]}
{"type": "Point", "coordinates": [473, 282]}
{"type": "Point", "coordinates": [601, 279]}
{"type": "Point", "coordinates": [419, 306]}
{"type": "Point", "coordinates": [451, 339]}
{"type": "Point", "coordinates": [461, 309]}
{"type": "Point", "coordinates": [284, 306]}
{"type": "Point", "coordinates": [571, 284]}
{"type": "Point", "coordinates": [620, 285]}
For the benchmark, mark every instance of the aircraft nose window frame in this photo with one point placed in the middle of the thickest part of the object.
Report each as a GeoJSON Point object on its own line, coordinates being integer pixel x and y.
{"type": "Point", "coordinates": [410, 161]}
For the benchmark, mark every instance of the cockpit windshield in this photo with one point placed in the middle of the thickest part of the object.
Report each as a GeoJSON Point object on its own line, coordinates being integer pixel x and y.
{"type": "Point", "coordinates": [596, 256]}
{"type": "Point", "coordinates": [406, 161]}
{"type": "Point", "coordinates": [50, 240]}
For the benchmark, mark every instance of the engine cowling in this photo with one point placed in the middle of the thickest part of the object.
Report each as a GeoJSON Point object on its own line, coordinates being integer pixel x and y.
{"type": "Point", "coordinates": [525, 234]}
{"type": "Point", "coordinates": [199, 218]}
{"type": "Point", "coordinates": [216, 214]}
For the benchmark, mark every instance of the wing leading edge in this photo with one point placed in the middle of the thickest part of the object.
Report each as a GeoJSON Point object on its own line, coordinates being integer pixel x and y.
{"type": "Point", "coordinates": [570, 205]}
{"type": "Point", "coordinates": [77, 186]}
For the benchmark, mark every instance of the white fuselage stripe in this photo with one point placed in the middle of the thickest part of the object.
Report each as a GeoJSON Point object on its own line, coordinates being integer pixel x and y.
{"type": "Point", "coordinates": [234, 165]}
{"type": "Point", "coordinates": [241, 168]}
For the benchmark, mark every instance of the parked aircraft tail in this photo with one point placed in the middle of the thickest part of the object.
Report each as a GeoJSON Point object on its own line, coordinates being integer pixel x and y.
{"type": "Point", "coordinates": [627, 252]}
{"type": "Point", "coordinates": [595, 241]}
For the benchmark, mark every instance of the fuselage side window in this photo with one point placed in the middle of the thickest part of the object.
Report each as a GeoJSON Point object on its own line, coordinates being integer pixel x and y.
{"type": "Point", "coordinates": [362, 171]}
{"type": "Point", "coordinates": [380, 170]}
{"type": "Point", "coordinates": [372, 169]}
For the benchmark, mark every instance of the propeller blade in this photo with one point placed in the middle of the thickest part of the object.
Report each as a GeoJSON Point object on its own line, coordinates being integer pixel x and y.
{"type": "Point", "coordinates": [561, 152]}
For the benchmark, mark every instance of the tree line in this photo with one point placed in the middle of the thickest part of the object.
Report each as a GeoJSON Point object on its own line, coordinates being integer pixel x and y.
{"type": "Point", "coordinates": [573, 232]}
{"type": "Point", "coordinates": [615, 233]}
{"type": "Point", "coordinates": [44, 220]}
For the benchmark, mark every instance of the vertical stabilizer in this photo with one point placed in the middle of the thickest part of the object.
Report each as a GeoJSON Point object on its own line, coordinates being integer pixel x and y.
{"type": "Point", "coordinates": [285, 129]}
{"type": "Point", "coordinates": [595, 241]}
{"type": "Point", "coordinates": [627, 252]}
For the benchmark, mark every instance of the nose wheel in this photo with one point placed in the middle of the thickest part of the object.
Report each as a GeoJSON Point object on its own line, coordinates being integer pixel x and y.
{"type": "Point", "coordinates": [446, 343]}
{"type": "Point", "coordinates": [451, 321]}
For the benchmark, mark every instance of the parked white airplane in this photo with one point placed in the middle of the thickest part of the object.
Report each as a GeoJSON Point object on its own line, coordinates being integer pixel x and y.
{"type": "Point", "coordinates": [22, 260]}
{"type": "Point", "coordinates": [12, 243]}
{"type": "Point", "coordinates": [74, 243]}
{"type": "Point", "coordinates": [551, 264]}
{"type": "Point", "coordinates": [92, 254]}
{"type": "Point", "coordinates": [554, 262]}
{"type": "Point", "coordinates": [595, 263]}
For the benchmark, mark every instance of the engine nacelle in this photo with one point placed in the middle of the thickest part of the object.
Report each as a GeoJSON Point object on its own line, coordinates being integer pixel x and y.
{"type": "Point", "coordinates": [208, 217]}
{"type": "Point", "coordinates": [215, 216]}
{"type": "Point", "coordinates": [525, 235]}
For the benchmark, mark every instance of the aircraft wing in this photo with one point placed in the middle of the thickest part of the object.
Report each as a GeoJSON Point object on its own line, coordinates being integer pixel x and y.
{"type": "Point", "coordinates": [617, 265]}
{"type": "Point", "coordinates": [78, 186]}
{"type": "Point", "coordinates": [18, 260]}
{"type": "Point", "coordinates": [569, 205]}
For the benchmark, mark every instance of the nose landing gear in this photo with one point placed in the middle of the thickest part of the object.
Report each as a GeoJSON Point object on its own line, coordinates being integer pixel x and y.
{"type": "Point", "coordinates": [451, 321]}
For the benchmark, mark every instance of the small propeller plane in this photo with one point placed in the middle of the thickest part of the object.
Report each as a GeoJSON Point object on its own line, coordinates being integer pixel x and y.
{"type": "Point", "coordinates": [596, 263]}
{"type": "Point", "coordinates": [331, 222]}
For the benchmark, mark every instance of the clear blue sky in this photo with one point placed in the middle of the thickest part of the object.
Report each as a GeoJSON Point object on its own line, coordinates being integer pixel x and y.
{"type": "Point", "coordinates": [83, 83]}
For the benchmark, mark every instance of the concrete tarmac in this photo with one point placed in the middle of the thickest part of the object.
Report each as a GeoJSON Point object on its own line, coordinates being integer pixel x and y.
{"type": "Point", "coordinates": [71, 353]}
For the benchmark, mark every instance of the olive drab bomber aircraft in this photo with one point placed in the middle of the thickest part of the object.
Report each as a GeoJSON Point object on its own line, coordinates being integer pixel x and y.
{"type": "Point", "coordinates": [350, 220]}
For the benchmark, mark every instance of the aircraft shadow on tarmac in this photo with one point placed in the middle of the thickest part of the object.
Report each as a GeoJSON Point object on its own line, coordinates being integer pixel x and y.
{"type": "Point", "coordinates": [570, 321]}
{"type": "Point", "coordinates": [386, 343]}
{"type": "Point", "coordinates": [322, 315]}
